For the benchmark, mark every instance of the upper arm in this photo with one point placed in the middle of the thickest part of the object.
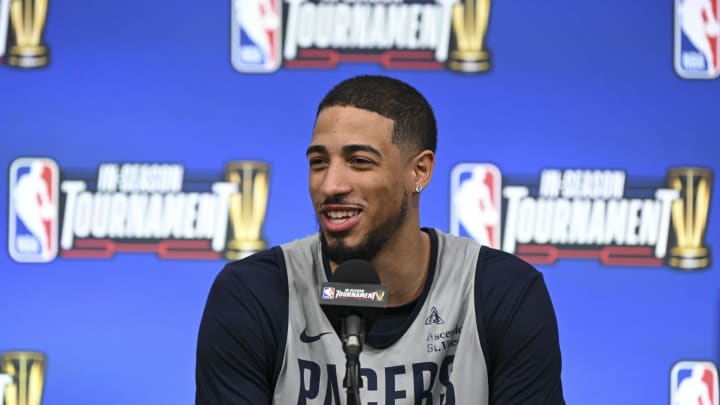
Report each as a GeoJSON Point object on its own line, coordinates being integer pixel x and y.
{"type": "Point", "coordinates": [518, 325]}
{"type": "Point", "coordinates": [242, 333]}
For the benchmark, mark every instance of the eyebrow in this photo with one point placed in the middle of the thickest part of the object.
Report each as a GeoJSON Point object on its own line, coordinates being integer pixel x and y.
{"type": "Point", "coordinates": [316, 149]}
{"type": "Point", "coordinates": [347, 149]}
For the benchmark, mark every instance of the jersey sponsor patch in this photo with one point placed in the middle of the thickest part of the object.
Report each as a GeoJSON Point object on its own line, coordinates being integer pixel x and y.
{"type": "Point", "coordinates": [434, 318]}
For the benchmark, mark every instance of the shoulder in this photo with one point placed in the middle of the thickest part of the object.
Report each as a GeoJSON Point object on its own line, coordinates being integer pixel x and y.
{"type": "Point", "coordinates": [265, 269]}
{"type": "Point", "coordinates": [518, 330]}
{"type": "Point", "coordinates": [253, 283]}
{"type": "Point", "coordinates": [499, 269]}
{"type": "Point", "coordinates": [505, 288]}
{"type": "Point", "coordinates": [243, 330]}
{"type": "Point", "coordinates": [495, 268]}
{"type": "Point", "coordinates": [504, 283]}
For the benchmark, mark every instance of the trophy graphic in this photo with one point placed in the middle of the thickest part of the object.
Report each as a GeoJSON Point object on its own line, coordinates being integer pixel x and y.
{"type": "Point", "coordinates": [247, 207]}
{"type": "Point", "coordinates": [690, 217]}
{"type": "Point", "coordinates": [470, 22]}
{"type": "Point", "coordinates": [27, 374]}
{"type": "Point", "coordinates": [28, 22]}
{"type": "Point", "coordinates": [380, 295]}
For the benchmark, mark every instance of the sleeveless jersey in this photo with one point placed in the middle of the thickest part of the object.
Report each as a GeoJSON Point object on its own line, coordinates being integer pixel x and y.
{"type": "Point", "coordinates": [438, 360]}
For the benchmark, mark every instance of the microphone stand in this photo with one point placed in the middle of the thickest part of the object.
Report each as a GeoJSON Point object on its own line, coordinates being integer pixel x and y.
{"type": "Point", "coordinates": [353, 336]}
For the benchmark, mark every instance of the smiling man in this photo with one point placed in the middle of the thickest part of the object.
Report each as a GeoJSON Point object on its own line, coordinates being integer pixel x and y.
{"type": "Point", "coordinates": [465, 324]}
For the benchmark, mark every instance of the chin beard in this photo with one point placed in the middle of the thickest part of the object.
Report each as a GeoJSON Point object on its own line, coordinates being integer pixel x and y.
{"type": "Point", "coordinates": [371, 245]}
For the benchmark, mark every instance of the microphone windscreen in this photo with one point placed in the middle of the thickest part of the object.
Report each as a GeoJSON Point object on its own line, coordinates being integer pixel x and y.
{"type": "Point", "coordinates": [355, 271]}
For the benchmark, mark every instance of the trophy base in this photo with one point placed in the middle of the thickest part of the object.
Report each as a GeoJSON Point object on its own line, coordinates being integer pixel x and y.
{"type": "Point", "coordinates": [689, 258]}
{"type": "Point", "coordinates": [240, 249]}
{"type": "Point", "coordinates": [28, 56]}
{"type": "Point", "coordinates": [469, 61]}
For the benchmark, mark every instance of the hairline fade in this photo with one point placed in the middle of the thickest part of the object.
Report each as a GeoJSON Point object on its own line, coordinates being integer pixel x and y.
{"type": "Point", "coordinates": [414, 125]}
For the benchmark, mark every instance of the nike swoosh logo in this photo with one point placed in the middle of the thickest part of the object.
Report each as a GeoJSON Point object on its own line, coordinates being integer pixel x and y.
{"type": "Point", "coordinates": [305, 338]}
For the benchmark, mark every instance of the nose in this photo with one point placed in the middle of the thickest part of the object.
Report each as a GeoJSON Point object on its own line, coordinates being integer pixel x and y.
{"type": "Point", "coordinates": [335, 180]}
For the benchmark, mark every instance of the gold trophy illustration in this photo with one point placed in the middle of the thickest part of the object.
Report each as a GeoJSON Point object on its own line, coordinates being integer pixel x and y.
{"type": "Point", "coordinates": [247, 207]}
{"type": "Point", "coordinates": [26, 371]}
{"type": "Point", "coordinates": [690, 217]}
{"type": "Point", "coordinates": [27, 18]}
{"type": "Point", "coordinates": [470, 22]}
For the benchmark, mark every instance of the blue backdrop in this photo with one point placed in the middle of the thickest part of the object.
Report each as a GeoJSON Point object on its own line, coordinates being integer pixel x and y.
{"type": "Point", "coordinates": [573, 86]}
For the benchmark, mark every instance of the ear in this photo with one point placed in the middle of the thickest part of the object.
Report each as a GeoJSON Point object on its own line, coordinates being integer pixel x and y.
{"type": "Point", "coordinates": [422, 168]}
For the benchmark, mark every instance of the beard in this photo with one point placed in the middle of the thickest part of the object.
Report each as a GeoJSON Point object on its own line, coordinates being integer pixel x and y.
{"type": "Point", "coordinates": [373, 242]}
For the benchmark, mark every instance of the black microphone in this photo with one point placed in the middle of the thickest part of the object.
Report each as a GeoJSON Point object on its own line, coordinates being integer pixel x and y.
{"type": "Point", "coordinates": [353, 300]}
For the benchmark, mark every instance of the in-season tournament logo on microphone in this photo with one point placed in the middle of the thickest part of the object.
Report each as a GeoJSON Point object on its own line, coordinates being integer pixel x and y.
{"type": "Point", "coordinates": [580, 213]}
{"type": "Point", "coordinates": [342, 293]}
{"type": "Point", "coordinates": [397, 34]}
{"type": "Point", "coordinates": [135, 207]}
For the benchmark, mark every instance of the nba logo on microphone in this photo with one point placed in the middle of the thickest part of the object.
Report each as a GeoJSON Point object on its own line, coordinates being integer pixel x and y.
{"type": "Point", "coordinates": [328, 293]}
{"type": "Point", "coordinates": [694, 383]}
{"type": "Point", "coordinates": [33, 219]}
{"type": "Point", "coordinates": [475, 192]}
{"type": "Point", "coordinates": [256, 35]}
{"type": "Point", "coordinates": [697, 32]}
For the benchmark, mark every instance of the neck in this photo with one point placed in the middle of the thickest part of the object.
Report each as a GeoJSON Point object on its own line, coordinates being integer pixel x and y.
{"type": "Point", "coordinates": [403, 267]}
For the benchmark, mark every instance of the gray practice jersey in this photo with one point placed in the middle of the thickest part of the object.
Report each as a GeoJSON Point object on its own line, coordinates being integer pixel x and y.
{"type": "Point", "coordinates": [439, 358]}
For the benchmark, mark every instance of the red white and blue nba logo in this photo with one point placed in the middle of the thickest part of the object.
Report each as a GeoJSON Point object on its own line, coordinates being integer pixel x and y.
{"type": "Point", "coordinates": [475, 191]}
{"type": "Point", "coordinates": [694, 383]}
{"type": "Point", "coordinates": [256, 35]}
{"type": "Point", "coordinates": [697, 32]}
{"type": "Point", "coordinates": [33, 220]}
{"type": "Point", "coordinates": [328, 293]}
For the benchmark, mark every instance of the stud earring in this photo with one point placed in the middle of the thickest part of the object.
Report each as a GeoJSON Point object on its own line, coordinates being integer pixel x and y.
{"type": "Point", "coordinates": [418, 188]}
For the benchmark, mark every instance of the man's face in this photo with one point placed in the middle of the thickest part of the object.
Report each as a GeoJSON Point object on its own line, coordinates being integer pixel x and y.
{"type": "Point", "coordinates": [357, 182]}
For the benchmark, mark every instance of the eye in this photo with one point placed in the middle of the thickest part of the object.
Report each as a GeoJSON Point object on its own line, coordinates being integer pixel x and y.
{"type": "Point", "coordinates": [317, 162]}
{"type": "Point", "coordinates": [361, 162]}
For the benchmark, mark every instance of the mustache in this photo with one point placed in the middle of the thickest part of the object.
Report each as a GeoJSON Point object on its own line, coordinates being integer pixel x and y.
{"type": "Point", "coordinates": [339, 201]}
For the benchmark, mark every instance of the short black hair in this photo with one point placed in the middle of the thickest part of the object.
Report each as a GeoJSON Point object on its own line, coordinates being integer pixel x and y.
{"type": "Point", "coordinates": [414, 126]}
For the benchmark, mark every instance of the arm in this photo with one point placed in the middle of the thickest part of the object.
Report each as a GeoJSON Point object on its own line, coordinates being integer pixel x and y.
{"type": "Point", "coordinates": [242, 333]}
{"type": "Point", "coordinates": [517, 321]}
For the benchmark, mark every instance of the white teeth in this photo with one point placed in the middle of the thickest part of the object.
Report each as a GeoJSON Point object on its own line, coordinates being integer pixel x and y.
{"type": "Point", "coordinates": [341, 214]}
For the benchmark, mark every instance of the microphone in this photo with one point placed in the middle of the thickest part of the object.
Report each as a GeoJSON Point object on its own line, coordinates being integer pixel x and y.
{"type": "Point", "coordinates": [353, 300]}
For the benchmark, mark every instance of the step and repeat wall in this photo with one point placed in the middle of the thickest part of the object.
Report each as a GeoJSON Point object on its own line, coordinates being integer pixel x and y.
{"type": "Point", "coordinates": [145, 144]}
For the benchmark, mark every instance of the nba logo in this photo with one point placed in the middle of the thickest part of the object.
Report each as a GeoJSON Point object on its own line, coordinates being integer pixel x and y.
{"type": "Point", "coordinates": [255, 39]}
{"type": "Point", "coordinates": [694, 383]}
{"type": "Point", "coordinates": [328, 293]}
{"type": "Point", "coordinates": [697, 31]}
{"type": "Point", "coordinates": [476, 202]}
{"type": "Point", "coordinates": [33, 220]}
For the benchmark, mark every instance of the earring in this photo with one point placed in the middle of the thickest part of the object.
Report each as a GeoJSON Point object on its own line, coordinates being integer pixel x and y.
{"type": "Point", "coordinates": [418, 188]}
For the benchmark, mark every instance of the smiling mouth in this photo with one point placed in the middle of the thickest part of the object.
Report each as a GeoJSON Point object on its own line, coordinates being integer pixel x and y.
{"type": "Point", "coordinates": [338, 217]}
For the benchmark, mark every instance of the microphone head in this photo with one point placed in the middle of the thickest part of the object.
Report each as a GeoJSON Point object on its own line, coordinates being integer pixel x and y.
{"type": "Point", "coordinates": [354, 289]}
{"type": "Point", "coordinates": [355, 271]}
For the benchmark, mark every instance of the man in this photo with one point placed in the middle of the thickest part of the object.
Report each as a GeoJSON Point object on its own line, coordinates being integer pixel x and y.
{"type": "Point", "coordinates": [465, 324]}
